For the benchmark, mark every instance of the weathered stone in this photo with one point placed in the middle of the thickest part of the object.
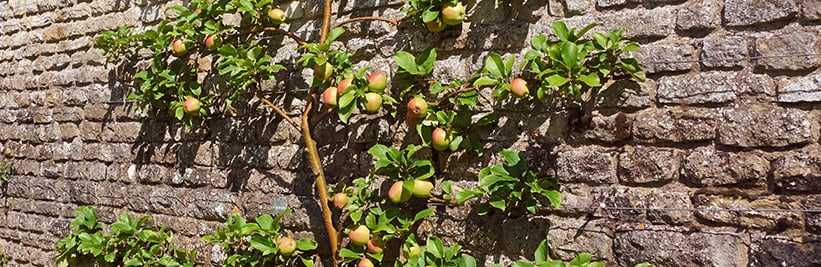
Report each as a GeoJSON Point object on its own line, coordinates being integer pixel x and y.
{"type": "Point", "coordinates": [708, 167]}
{"type": "Point", "coordinates": [765, 126]}
{"type": "Point", "coordinates": [625, 204]}
{"type": "Point", "coordinates": [670, 248]}
{"type": "Point", "coordinates": [626, 94]}
{"type": "Point", "coordinates": [610, 3]}
{"type": "Point", "coordinates": [613, 128]}
{"type": "Point", "coordinates": [597, 167]}
{"type": "Point", "coordinates": [569, 236]}
{"type": "Point", "coordinates": [788, 51]}
{"type": "Point", "coordinates": [642, 165]}
{"type": "Point", "coordinates": [798, 171]}
{"type": "Point", "coordinates": [724, 51]}
{"type": "Point", "coordinates": [757, 213]}
{"type": "Point", "coordinates": [781, 252]}
{"type": "Point", "coordinates": [676, 125]}
{"type": "Point", "coordinates": [800, 89]}
{"type": "Point", "coordinates": [669, 206]}
{"type": "Point", "coordinates": [667, 56]}
{"type": "Point", "coordinates": [214, 205]}
{"type": "Point", "coordinates": [699, 16]}
{"type": "Point", "coordinates": [810, 10]}
{"type": "Point", "coordinates": [654, 23]}
{"type": "Point", "coordinates": [751, 12]}
{"type": "Point", "coordinates": [578, 7]}
{"type": "Point", "coordinates": [712, 87]}
{"type": "Point", "coordinates": [813, 220]}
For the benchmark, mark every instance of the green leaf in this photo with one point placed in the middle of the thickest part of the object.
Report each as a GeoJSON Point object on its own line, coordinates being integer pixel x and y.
{"type": "Point", "coordinates": [541, 253]}
{"type": "Point", "coordinates": [569, 54]}
{"type": "Point", "coordinates": [581, 259]}
{"type": "Point", "coordinates": [335, 33]}
{"type": "Point", "coordinates": [380, 151]}
{"type": "Point", "coordinates": [265, 222]}
{"type": "Point", "coordinates": [508, 66]}
{"type": "Point", "coordinates": [498, 203]}
{"type": "Point", "coordinates": [539, 42]}
{"type": "Point", "coordinates": [467, 261]}
{"type": "Point", "coordinates": [522, 264]}
{"type": "Point", "coordinates": [430, 15]}
{"type": "Point", "coordinates": [306, 244]}
{"type": "Point", "coordinates": [560, 29]}
{"type": "Point", "coordinates": [484, 81]}
{"type": "Point", "coordinates": [306, 262]}
{"type": "Point", "coordinates": [423, 214]}
{"type": "Point", "coordinates": [591, 79]}
{"type": "Point", "coordinates": [585, 30]}
{"type": "Point", "coordinates": [494, 65]}
{"type": "Point", "coordinates": [348, 254]}
{"type": "Point", "coordinates": [265, 245]}
{"type": "Point", "coordinates": [428, 58]}
{"type": "Point", "coordinates": [601, 40]}
{"type": "Point", "coordinates": [465, 195]}
{"type": "Point", "coordinates": [434, 247]}
{"type": "Point", "coordinates": [556, 80]}
{"type": "Point", "coordinates": [511, 156]}
{"type": "Point", "coordinates": [407, 62]}
{"type": "Point", "coordinates": [631, 47]}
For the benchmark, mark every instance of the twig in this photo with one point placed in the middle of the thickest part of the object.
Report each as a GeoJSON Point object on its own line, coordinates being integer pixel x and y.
{"type": "Point", "coordinates": [391, 21]}
{"type": "Point", "coordinates": [444, 201]}
{"type": "Point", "coordinates": [279, 111]}
{"type": "Point", "coordinates": [278, 30]}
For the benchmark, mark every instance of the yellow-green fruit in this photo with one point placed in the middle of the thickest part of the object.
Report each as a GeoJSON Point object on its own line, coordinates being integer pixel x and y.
{"type": "Point", "coordinates": [435, 26]}
{"type": "Point", "coordinates": [439, 139]}
{"type": "Point", "coordinates": [373, 102]}
{"type": "Point", "coordinates": [343, 85]}
{"type": "Point", "coordinates": [191, 106]}
{"type": "Point", "coordinates": [398, 194]}
{"type": "Point", "coordinates": [518, 88]}
{"type": "Point", "coordinates": [413, 251]}
{"type": "Point", "coordinates": [375, 246]}
{"type": "Point", "coordinates": [453, 14]}
{"type": "Point", "coordinates": [178, 48]}
{"type": "Point", "coordinates": [364, 262]}
{"type": "Point", "coordinates": [422, 188]}
{"type": "Point", "coordinates": [360, 235]}
{"type": "Point", "coordinates": [377, 82]}
{"type": "Point", "coordinates": [340, 200]}
{"type": "Point", "coordinates": [287, 246]}
{"type": "Point", "coordinates": [324, 71]}
{"type": "Point", "coordinates": [277, 15]}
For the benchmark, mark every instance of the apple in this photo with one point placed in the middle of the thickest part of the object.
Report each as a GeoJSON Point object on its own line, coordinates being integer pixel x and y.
{"type": "Point", "coordinates": [330, 96]}
{"type": "Point", "coordinates": [277, 15]}
{"type": "Point", "coordinates": [212, 42]}
{"type": "Point", "coordinates": [373, 102]}
{"type": "Point", "coordinates": [191, 106]}
{"type": "Point", "coordinates": [435, 26]}
{"type": "Point", "coordinates": [418, 107]}
{"type": "Point", "coordinates": [364, 262]}
{"type": "Point", "coordinates": [453, 15]}
{"type": "Point", "coordinates": [410, 119]}
{"type": "Point", "coordinates": [178, 48]}
{"type": "Point", "coordinates": [518, 87]}
{"type": "Point", "coordinates": [197, 11]}
{"type": "Point", "coordinates": [360, 235]}
{"type": "Point", "coordinates": [287, 246]}
{"type": "Point", "coordinates": [343, 85]}
{"type": "Point", "coordinates": [439, 139]}
{"type": "Point", "coordinates": [375, 246]}
{"type": "Point", "coordinates": [413, 251]}
{"type": "Point", "coordinates": [422, 188]}
{"type": "Point", "coordinates": [377, 82]}
{"type": "Point", "coordinates": [340, 200]}
{"type": "Point", "coordinates": [398, 193]}
{"type": "Point", "coordinates": [324, 71]}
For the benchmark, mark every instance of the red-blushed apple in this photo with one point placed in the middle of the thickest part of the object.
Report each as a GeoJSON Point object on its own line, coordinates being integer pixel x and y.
{"type": "Point", "coordinates": [375, 246]}
{"type": "Point", "coordinates": [329, 96]}
{"type": "Point", "coordinates": [439, 139]}
{"type": "Point", "coordinates": [435, 25]}
{"type": "Point", "coordinates": [340, 200]}
{"type": "Point", "coordinates": [397, 193]}
{"type": "Point", "coordinates": [323, 71]}
{"type": "Point", "coordinates": [343, 85]}
{"type": "Point", "coordinates": [518, 88]}
{"type": "Point", "coordinates": [422, 188]}
{"type": "Point", "coordinates": [411, 120]}
{"type": "Point", "coordinates": [287, 246]}
{"type": "Point", "coordinates": [377, 82]}
{"type": "Point", "coordinates": [364, 262]}
{"type": "Point", "coordinates": [212, 42]}
{"type": "Point", "coordinates": [418, 107]}
{"type": "Point", "coordinates": [360, 235]}
{"type": "Point", "coordinates": [277, 15]}
{"type": "Point", "coordinates": [178, 48]}
{"type": "Point", "coordinates": [191, 106]}
{"type": "Point", "coordinates": [453, 14]}
{"type": "Point", "coordinates": [373, 102]}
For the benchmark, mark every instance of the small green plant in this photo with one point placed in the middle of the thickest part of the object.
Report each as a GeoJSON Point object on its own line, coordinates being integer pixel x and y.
{"type": "Point", "coordinates": [260, 243]}
{"type": "Point", "coordinates": [434, 253]}
{"type": "Point", "coordinates": [541, 257]}
{"type": "Point", "coordinates": [436, 15]}
{"type": "Point", "coordinates": [130, 243]}
{"type": "Point", "coordinates": [511, 184]}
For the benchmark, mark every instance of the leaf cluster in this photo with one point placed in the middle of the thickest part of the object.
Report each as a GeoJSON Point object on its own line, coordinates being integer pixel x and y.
{"type": "Point", "coordinates": [424, 11]}
{"type": "Point", "coordinates": [434, 253]}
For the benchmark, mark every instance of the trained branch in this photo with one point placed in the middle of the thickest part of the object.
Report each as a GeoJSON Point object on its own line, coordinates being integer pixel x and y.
{"type": "Point", "coordinates": [391, 21]}
{"type": "Point", "coordinates": [326, 21]}
{"type": "Point", "coordinates": [279, 111]}
{"type": "Point", "coordinates": [443, 201]}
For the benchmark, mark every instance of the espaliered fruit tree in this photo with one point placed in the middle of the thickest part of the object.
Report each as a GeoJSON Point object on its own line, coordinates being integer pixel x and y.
{"type": "Point", "coordinates": [361, 224]}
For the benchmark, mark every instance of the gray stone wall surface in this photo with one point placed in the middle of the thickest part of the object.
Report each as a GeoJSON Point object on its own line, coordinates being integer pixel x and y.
{"type": "Point", "coordinates": [730, 118]}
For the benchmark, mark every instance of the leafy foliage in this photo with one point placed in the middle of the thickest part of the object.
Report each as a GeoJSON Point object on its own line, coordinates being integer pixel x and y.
{"type": "Point", "coordinates": [434, 253]}
{"type": "Point", "coordinates": [131, 242]}
{"type": "Point", "coordinates": [424, 11]}
{"type": "Point", "coordinates": [511, 184]}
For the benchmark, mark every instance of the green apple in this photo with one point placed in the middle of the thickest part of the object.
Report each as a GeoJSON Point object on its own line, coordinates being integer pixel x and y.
{"type": "Point", "coordinates": [397, 193]}
{"type": "Point", "coordinates": [324, 71]}
{"type": "Point", "coordinates": [340, 200]}
{"type": "Point", "coordinates": [343, 85]}
{"type": "Point", "coordinates": [191, 106]}
{"type": "Point", "coordinates": [364, 262]}
{"type": "Point", "coordinates": [212, 42]}
{"type": "Point", "coordinates": [377, 82]}
{"type": "Point", "coordinates": [375, 246]}
{"type": "Point", "coordinates": [518, 88]}
{"type": "Point", "coordinates": [422, 188]}
{"type": "Point", "coordinates": [373, 102]}
{"type": "Point", "coordinates": [435, 25]}
{"type": "Point", "coordinates": [418, 107]}
{"type": "Point", "coordinates": [178, 48]}
{"type": "Point", "coordinates": [453, 14]}
{"type": "Point", "coordinates": [287, 246]}
{"type": "Point", "coordinates": [439, 139]}
{"type": "Point", "coordinates": [360, 235]}
{"type": "Point", "coordinates": [329, 96]}
{"type": "Point", "coordinates": [277, 15]}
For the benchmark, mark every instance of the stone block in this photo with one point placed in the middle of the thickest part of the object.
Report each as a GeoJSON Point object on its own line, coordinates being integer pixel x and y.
{"type": "Point", "coordinates": [568, 237]}
{"type": "Point", "coordinates": [712, 87]}
{"type": "Point", "coordinates": [624, 198]}
{"type": "Point", "coordinates": [648, 165]}
{"type": "Point", "coordinates": [586, 166]}
{"type": "Point", "coordinates": [610, 3]}
{"type": "Point", "coordinates": [665, 56]}
{"type": "Point", "coordinates": [699, 16]}
{"type": "Point", "coordinates": [213, 205]}
{"type": "Point", "coordinates": [613, 128]}
{"type": "Point", "coordinates": [722, 51]}
{"type": "Point", "coordinates": [666, 206]}
{"type": "Point", "coordinates": [766, 219]}
{"type": "Point", "coordinates": [800, 89]}
{"type": "Point", "coordinates": [626, 95]}
{"type": "Point", "coordinates": [810, 10]}
{"type": "Point", "coordinates": [785, 252]}
{"type": "Point", "coordinates": [709, 167]}
{"type": "Point", "coordinates": [675, 125]}
{"type": "Point", "coordinates": [782, 52]}
{"type": "Point", "coordinates": [671, 248]}
{"type": "Point", "coordinates": [752, 12]}
{"type": "Point", "coordinates": [813, 220]}
{"type": "Point", "coordinates": [798, 171]}
{"type": "Point", "coordinates": [753, 126]}
{"type": "Point", "coordinates": [654, 23]}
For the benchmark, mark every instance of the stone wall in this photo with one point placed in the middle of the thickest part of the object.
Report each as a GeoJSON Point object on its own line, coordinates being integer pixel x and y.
{"type": "Point", "coordinates": [728, 119]}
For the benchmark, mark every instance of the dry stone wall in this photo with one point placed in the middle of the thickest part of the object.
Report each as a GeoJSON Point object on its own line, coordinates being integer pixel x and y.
{"type": "Point", "coordinates": [728, 121]}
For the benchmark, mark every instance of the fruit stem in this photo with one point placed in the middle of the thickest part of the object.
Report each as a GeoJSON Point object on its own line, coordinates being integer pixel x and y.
{"type": "Point", "coordinates": [279, 111]}
{"type": "Point", "coordinates": [391, 21]}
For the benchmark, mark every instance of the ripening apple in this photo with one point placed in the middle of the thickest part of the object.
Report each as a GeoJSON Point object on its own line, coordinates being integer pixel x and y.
{"type": "Point", "coordinates": [418, 107]}
{"type": "Point", "coordinates": [343, 85]}
{"type": "Point", "coordinates": [277, 15]}
{"type": "Point", "coordinates": [360, 235]}
{"type": "Point", "coordinates": [324, 71]}
{"type": "Point", "coordinates": [329, 96]}
{"type": "Point", "coordinates": [413, 251]}
{"type": "Point", "coordinates": [453, 15]}
{"type": "Point", "coordinates": [340, 200]}
{"type": "Point", "coordinates": [364, 262]}
{"type": "Point", "coordinates": [422, 188]}
{"type": "Point", "coordinates": [439, 139]}
{"type": "Point", "coordinates": [518, 88]}
{"type": "Point", "coordinates": [287, 246]}
{"type": "Point", "coordinates": [191, 106]}
{"type": "Point", "coordinates": [435, 25]}
{"type": "Point", "coordinates": [375, 246]}
{"type": "Point", "coordinates": [398, 193]}
{"type": "Point", "coordinates": [178, 48]}
{"type": "Point", "coordinates": [212, 42]}
{"type": "Point", "coordinates": [410, 119]}
{"type": "Point", "coordinates": [377, 82]}
{"type": "Point", "coordinates": [373, 102]}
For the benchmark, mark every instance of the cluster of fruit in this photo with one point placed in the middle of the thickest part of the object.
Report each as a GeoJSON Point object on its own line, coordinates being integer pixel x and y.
{"type": "Point", "coordinates": [451, 15]}
{"type": "Point", "coordinates": [377, 82]}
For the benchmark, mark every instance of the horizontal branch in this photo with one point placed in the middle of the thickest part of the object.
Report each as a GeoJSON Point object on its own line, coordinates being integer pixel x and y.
{"type": "Point", "coordinates": [391, 21]}
{"type": "Point", "coordinates": [279, 111]}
